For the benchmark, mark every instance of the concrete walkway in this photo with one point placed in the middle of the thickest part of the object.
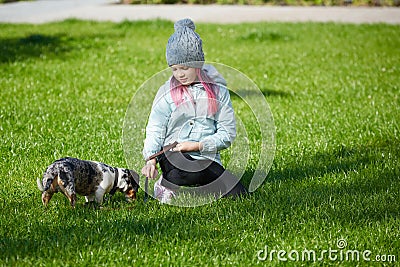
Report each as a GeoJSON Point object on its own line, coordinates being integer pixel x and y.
{"type": "Point", "coordinates": [42, 11]}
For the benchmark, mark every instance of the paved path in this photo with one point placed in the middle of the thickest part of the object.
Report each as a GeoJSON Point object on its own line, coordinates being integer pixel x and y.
{"type": "Point", "coordinates": [42, 11]}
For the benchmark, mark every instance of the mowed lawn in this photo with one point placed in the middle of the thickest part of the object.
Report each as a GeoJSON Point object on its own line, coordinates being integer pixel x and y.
{"type": "Point", "coordinates": [334, 185]}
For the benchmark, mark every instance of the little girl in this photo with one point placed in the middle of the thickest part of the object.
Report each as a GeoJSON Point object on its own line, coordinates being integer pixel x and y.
{"type": "Point", "coordinates": [193, 108]}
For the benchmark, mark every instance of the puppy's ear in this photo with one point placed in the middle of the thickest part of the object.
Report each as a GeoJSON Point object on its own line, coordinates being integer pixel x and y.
{"type": "Point", "coordinates": [135, 177]}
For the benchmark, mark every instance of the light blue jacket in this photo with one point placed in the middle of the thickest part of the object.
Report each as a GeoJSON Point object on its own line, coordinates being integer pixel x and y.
{"type": "Point", "coordinates": [190, 121]}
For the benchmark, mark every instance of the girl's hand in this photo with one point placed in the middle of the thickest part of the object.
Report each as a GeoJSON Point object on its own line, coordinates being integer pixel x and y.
{"type": "Point", "coordinates": [188, 146]}
{"type": "Point", "coordinates": [150, 170]}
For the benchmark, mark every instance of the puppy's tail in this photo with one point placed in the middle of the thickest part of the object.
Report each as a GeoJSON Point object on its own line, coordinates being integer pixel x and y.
{"type": "Point", "coordinates": [46, 193]}
{"type": "Point", "coordinates": [40, 185]}
{"type": "Point", "coordinates": [45, 184]}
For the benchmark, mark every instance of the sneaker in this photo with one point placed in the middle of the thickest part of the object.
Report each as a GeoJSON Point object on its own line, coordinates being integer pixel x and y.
{"type": "Point", "coordinates": [163, 194]}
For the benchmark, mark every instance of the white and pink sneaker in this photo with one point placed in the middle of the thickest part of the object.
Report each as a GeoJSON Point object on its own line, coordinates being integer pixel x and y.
{"type": "Point", "coordinates": [163, 194]}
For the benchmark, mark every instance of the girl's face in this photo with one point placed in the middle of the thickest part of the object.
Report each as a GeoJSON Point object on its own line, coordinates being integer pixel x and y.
{"type": "Point", "coordinates": [185, 75]}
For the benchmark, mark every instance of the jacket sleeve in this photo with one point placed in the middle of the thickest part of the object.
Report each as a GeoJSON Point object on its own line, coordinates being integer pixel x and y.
{"type": "Point", "coordinates": [157, 124]}
{"type": "Point", "coordinates": [225, 125]}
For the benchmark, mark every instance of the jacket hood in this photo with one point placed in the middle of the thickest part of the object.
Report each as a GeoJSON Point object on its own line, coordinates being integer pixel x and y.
{"type": "Point", "coordinates": [214, 74]}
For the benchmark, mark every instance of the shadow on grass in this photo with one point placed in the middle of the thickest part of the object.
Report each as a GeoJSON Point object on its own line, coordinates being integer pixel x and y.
{"type": "Point", "coordinates": [266, 36]}
{"type": "Point", "coordinates": [58, 232]}
{"type": "Point", "coordinates": [46, 240]}
{"type": "Point", "coordinates": [31, 46]}
{"type": "Point", "coordinates": [41, 44]}
{"type": "Point", "coordinates": [348, 185]}
{"type": "Point", "coordinates": [273, 93]}
{"type": "Point", "coordinates": [342, 160]}
{"type": "Point", "coordinates": [265, 92]}
{"type": "Point", "coordinates": [70, 234]}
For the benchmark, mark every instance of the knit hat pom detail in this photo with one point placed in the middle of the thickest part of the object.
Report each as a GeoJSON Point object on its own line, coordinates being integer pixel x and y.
{"type": "Point", "coordinates": [184, 23]}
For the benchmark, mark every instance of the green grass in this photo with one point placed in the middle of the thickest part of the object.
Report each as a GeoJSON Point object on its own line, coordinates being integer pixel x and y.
{"type": "Point", "coordinates": [333, 90]}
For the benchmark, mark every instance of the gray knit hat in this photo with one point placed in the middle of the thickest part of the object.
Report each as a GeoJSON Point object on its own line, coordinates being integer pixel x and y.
{"type": "Point", "coordinates": [185, 46]}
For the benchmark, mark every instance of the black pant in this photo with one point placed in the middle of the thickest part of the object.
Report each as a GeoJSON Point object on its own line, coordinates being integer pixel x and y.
{"type": "Point", "coordinates": [180, 169]}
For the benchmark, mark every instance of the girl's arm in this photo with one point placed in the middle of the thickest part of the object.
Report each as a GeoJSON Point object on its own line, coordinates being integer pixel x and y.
{"type": "Point", "coordinates": [157, 124]}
